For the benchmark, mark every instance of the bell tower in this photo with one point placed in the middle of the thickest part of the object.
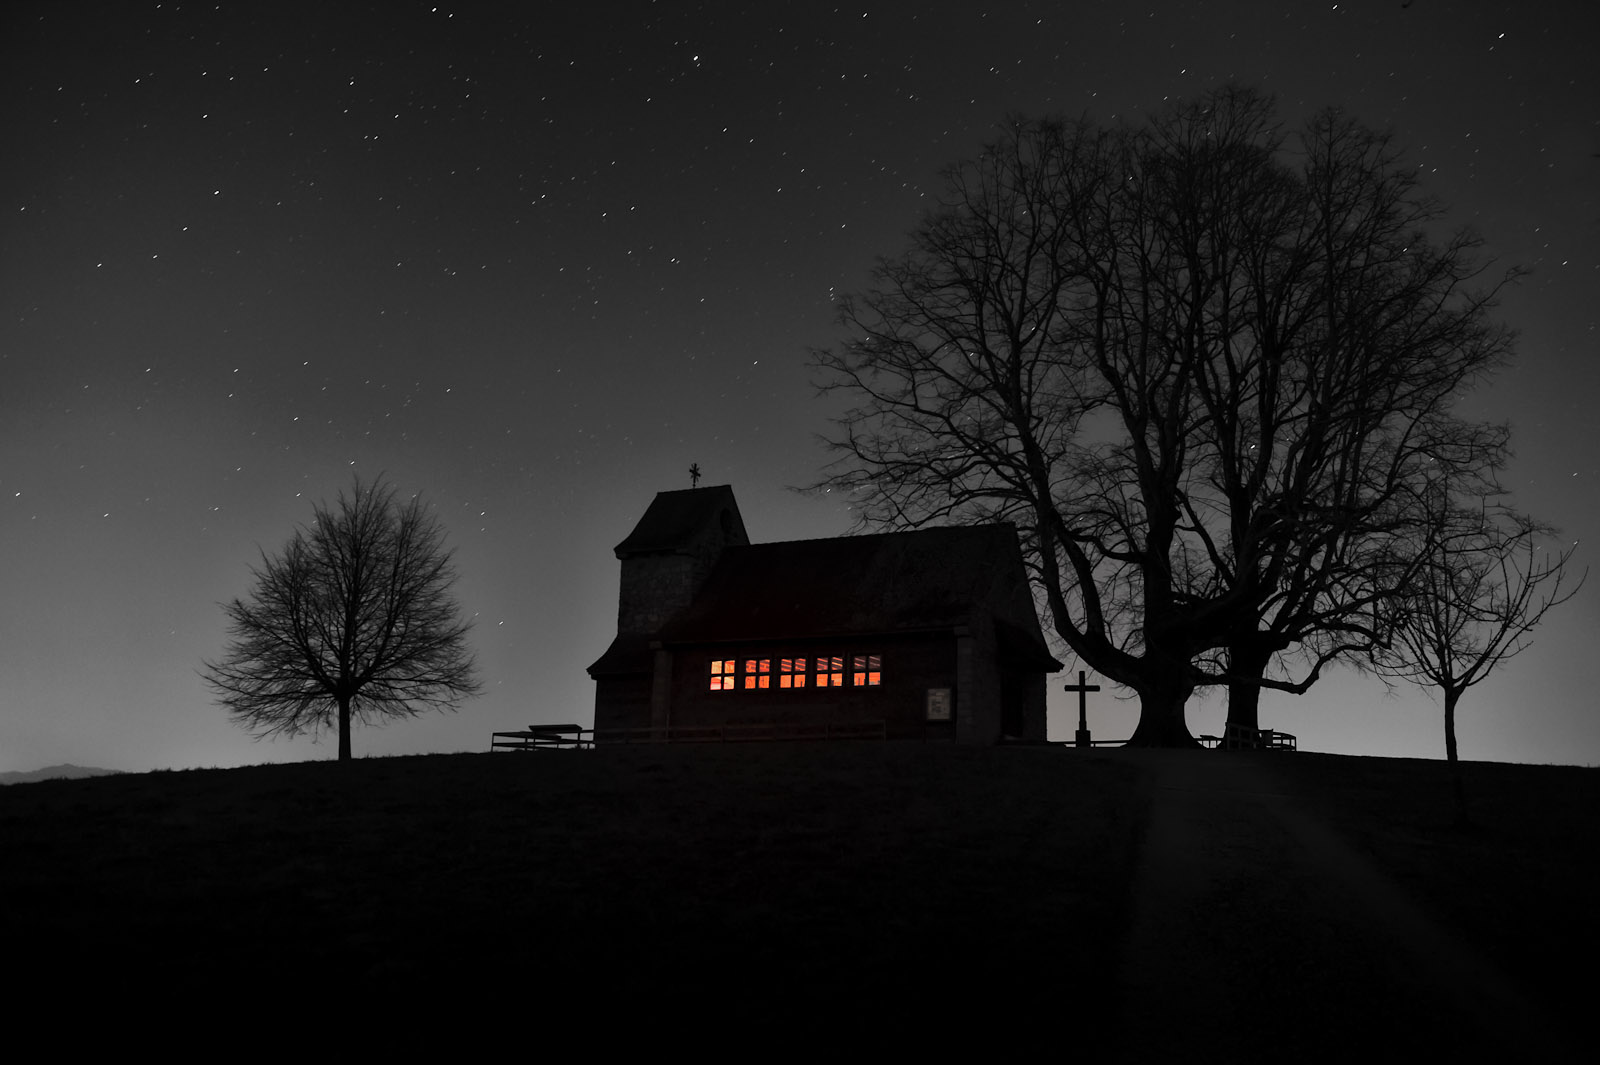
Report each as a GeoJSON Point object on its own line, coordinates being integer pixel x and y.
{"type": "Point", "coordinates": [669, 554]}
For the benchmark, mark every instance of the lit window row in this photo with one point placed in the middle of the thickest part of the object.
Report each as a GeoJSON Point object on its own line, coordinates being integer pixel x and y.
{"type": "Point", "coordinates": [865, 671]}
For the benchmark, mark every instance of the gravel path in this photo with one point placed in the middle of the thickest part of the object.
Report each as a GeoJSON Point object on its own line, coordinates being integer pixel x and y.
{"type": "Point", "coordinates": [1257, 934]}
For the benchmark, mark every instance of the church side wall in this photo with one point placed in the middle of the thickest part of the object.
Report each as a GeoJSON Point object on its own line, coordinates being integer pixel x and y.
{"type": "Point", "coordinates": [982, 702]}
{"type": "Point", "coordinates": [1011, 600]}
{"type": "Point", "coordinates": [622, 702]}
{"type": "Point", "coordinates": [1035, 709]}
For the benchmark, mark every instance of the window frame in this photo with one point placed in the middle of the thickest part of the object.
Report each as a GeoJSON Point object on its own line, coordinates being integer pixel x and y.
{"type": "Point", "coordinates": [754, 672]}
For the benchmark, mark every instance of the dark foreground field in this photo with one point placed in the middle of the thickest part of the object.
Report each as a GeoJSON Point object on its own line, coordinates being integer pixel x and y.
{"type": "Point", "coordinates": [794, 895]}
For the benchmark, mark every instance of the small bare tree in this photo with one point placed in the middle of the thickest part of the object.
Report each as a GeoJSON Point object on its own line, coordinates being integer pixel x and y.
{"type": "Point", "coordinates": [1481, 589]}
{"type": "Point", "coordinates": [353, 621]}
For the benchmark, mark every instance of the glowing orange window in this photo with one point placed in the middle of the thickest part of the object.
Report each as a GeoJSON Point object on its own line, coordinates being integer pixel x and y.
{"type": "Point", "coordinates": [791, 673]}
{"type": "Point", "coordinates": [758, 673]}
{"type": "Point", "coordinates": [722, 670]}
{"type": "Point", "coordinates": [830, 672]}
{"type": "Point", "coordinates": [866, 670]}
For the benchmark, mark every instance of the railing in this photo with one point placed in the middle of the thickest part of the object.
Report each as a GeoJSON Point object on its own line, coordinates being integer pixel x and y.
{"type": "Point", "coordinates": [1244, 738]}
{"type": "Point", "coordinates": [1234, 738]}
{"type": "Point", "coordinates": [541, 737]}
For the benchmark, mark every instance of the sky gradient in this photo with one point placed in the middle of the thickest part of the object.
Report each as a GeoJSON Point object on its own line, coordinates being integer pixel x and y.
{"type": "Point", "coordinates": [534, 266]}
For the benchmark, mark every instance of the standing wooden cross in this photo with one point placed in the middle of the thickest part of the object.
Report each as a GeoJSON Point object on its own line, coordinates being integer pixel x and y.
{"type": "Point", "coordinates": [694, 475]}
{"type": "Point", "coordinates": [1083, 691]}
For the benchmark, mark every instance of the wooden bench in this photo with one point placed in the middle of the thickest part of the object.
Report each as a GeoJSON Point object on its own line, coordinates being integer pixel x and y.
{"type": "Point", "coordinates": [539, 737]}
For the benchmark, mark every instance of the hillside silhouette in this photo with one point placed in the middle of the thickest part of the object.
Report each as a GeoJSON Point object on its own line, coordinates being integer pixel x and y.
{"type": "Point", "coordinates": [898, 895]}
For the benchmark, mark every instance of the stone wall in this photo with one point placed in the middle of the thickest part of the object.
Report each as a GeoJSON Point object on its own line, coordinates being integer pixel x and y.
{"type": "Point", "coordinates": [654, 588]}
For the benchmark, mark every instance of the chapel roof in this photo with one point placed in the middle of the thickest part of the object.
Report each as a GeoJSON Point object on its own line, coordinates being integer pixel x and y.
{"type": "Point", "coordinates": [629, 652]}
{"type": "Point", "coordinates": [676, 519]}
{"type": "Point", "coordinates": [916, 581]}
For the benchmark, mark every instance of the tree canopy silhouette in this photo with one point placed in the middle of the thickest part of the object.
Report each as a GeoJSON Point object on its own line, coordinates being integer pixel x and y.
{"type": "Point", "coordinates": [353, 621]}
{"type": "Point", "coordinates": [1200, 363]}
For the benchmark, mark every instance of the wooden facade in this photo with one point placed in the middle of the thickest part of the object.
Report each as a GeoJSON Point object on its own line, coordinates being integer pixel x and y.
{"type": "Point", "coordinates": [931, 632]}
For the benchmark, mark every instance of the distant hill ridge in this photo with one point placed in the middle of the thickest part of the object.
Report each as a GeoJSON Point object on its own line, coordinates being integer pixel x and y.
{"type": "Point", "coordinates": [55, 772]}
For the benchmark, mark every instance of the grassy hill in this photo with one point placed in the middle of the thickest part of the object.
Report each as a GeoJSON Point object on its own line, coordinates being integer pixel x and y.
{"type": "Point", "coordinates": [886, 893]}
{"type": "Point", "coordinates": [1519, 885]}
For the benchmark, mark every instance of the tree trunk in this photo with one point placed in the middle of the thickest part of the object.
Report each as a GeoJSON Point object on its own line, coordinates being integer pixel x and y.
{"type": "Point", "coordinates": [1451, 696]}
{"type": "Point", "coordinates": [1161, 717]}
{"type": "Point", "coordinates": [344, 728]}
{"type": "Point", "coordinates": [1248, 659]}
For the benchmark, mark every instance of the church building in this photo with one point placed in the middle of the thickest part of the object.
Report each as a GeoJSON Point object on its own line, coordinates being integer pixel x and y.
{"type": "Point", "coordinates": [931, 634]}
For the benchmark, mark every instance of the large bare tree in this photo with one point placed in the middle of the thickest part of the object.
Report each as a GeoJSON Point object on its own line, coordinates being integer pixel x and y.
{"type": "Point", "coordinates": [353, 621]}
{"type": "Point", "coordinates": [1197, 363]}
{"type": "Point", "coordinates": [1344, 334]}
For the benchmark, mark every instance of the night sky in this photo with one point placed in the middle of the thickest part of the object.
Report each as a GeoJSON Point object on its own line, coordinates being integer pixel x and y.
{"type": "Point", "coordinates": [534, 266]}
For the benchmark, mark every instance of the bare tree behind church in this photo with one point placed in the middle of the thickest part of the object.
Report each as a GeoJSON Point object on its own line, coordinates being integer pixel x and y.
{"type": "Point", "coordinates": [1202, 363]}
{"type": "Point", "coordinates": [352, 622]}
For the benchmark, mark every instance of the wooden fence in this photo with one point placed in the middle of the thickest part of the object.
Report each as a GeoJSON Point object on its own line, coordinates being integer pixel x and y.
{"type": "Point", "coordinates": [1244, 738]}
{"type": "Point", "coordinates": [575, 737]}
